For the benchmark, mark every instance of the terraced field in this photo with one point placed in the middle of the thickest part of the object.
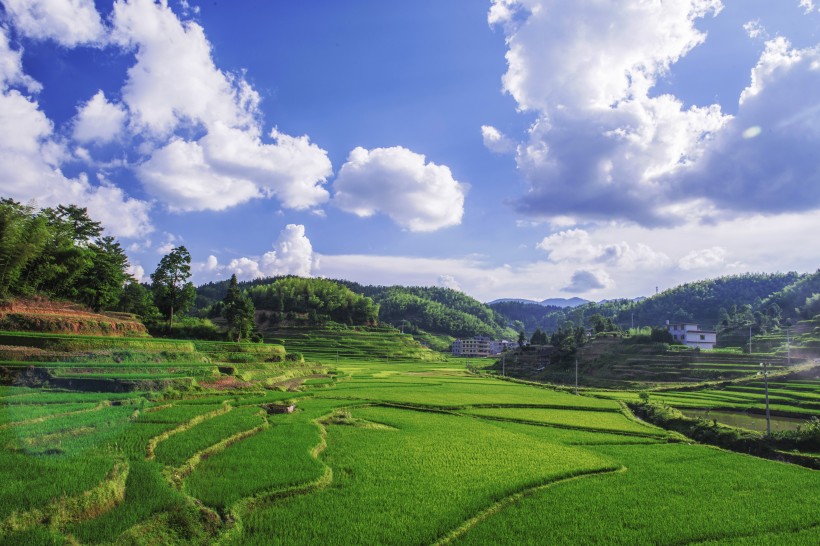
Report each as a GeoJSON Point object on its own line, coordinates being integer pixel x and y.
{"type": "Point", "coordinates": [388, 450]}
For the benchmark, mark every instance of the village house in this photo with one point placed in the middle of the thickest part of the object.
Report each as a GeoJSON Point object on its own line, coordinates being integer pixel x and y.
{"type": "Point", "coordinates": [689, 334]}
{"type": "Point", "coordinates": [479, 346]}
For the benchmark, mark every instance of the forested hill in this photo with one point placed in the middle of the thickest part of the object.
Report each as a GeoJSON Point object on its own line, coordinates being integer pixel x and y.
{"type": "Point", "coordinates": [296, 300]}
{"type": "Point", "coordinates": [727, 300]}
{"type": "Point", "coordinates": [432, 310]}
{"type": "Point", "coordinates": [435, 310]}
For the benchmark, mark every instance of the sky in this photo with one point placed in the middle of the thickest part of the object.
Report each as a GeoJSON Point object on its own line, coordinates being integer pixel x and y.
{"type": "Point", "coordinates": [507, 148]}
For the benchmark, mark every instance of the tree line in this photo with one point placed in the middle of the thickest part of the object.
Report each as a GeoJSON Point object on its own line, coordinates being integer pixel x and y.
{"type": "Point", "coordinates": [59, 252]}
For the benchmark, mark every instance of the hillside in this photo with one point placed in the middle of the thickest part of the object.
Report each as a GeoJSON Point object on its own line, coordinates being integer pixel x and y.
{"type": "Point", "coordinates": [734, 299]}
{"type": "Point", "coordinates": [435, 310]}
{"type": "Point", "coordinates": [421, 311]}
{"type": "Point", "coordinates": [43, 315]}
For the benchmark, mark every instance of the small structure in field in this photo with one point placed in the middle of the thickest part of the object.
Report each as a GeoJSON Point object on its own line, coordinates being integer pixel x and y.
{"type": "Point", "coordinates": [278, 408]}
{"type": "Point", "coordinates": [691, 335]}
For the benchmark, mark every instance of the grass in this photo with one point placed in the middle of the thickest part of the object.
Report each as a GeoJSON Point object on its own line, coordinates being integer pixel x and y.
{"type": "Point", "coordinates": [585, 420]}
{"type": "Point", "coordinates": [180, 447]}
{"type": "Point", "coordinates": [398, 446]}
{"type": "Point", "coordinates": [669, 494]}
{"type": "Point", "coordinates": [403, 482]}
{"type": "Point", "coordinates": [276, 458]}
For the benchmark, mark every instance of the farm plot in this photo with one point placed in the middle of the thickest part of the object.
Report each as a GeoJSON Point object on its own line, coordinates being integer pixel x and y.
{"type": "Point", "coordinates": [669, 494]}
{"type": "Point", "coordinates": [397, 479]}
{"type": "Point", "coordinates": [277, 458]}
{"type": "Point", "coordinates": [180, 447]}
{"type": "Point", "coordinates": [601, 421]}
{"type": "Point", "coordinates": [447, 392]}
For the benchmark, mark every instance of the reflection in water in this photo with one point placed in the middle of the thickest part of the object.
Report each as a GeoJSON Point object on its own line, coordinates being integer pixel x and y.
{"type": "Point", "coordinates": [748, 421]}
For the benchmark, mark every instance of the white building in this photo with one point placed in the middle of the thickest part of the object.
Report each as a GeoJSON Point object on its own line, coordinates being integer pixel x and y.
{"type": "Point", "coordinates": [478, 346]}
{"type": "Point", "coordinates": [691, 335]}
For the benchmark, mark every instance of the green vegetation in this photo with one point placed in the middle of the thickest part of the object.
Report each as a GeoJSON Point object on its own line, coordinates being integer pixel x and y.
{"type": "Point", "coordinates": [384, 450]}
{"type": "Point", "coordinates": [59, 252]}
{"type": "Point", "coordinates": [764, 301]}
{"type": "Point", "coordinates": [170, 285]}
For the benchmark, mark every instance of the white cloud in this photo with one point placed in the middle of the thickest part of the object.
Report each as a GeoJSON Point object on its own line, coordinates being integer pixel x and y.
{"type": "Point", "coordinates": [604, 148]}
{"type": "Point", "coordinates": [171, 241]}
{"type": "Point", "coordinates": [30, 158]}
{"type": "Point", "coordinates": [577, 246]}
{"type": "Point", "coordinates": [573, 245]}
{"type": "Point", "coordinates": [448, 281]}
{"type": "Point", "coordinates": [753, 242]}
{"type": "Point", "coordinates": [415, 194]}
{"type": "Point", "coordinates": [609, 49]}
{"type": "Point", "coordinates": [211, 264]}
{"type": "Point", "coordinates": [11, 67]}
{"type": "Point", "coordinates": [754, 29]}
{"type": "Point", "coordinates": [68, 22]}
{"type": "Point", "coordinates": [808, 6]}
{"type": "Point", "coordinates": [601, 143]}
{"type": "Point", "coordinates": [99, 120]}
{"type": "Point", "coordinates": [292, 254]}
{"type": "Point", "coordinates": [180, 175]}
{"type": "Point", "coordinates": [764, 160]}
{"type": "Point", "coordinates": [584, 281]}
{"type": "Point", "coordinates": [138, 272]}
{"type": "Point", "coordinates": [175, 79]}
{"type": "Point", "coordinates": [175, 87]}
{"type": "Point", "coordinates": [707, 258]}
{"type": "Point", "coordinates": [496, 141]}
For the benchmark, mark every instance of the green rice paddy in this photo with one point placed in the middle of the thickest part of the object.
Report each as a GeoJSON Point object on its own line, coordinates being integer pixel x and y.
{"type": "Point", "coordinates": [405, 449]}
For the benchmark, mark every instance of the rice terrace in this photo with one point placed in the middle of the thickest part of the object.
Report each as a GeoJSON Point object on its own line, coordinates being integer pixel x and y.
{"type": "Point", "coordinates": [375, 440]}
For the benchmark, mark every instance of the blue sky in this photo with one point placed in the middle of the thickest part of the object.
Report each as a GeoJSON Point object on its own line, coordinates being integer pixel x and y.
{"type": "Point", "coordinates": [514, 148]}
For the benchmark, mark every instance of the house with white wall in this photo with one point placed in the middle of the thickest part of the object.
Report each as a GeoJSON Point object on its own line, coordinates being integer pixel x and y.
{"type": "Point", "coordinates": [691, 335]}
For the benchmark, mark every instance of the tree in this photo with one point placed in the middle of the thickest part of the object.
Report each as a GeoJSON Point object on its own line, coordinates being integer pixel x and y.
{"type": "Point", "coordinates": [238, 310]}
{"type": "Point", "coordinates": [137, 299]}
{"type": "Point", "coordinates": [522, 339]}
{"type": "Point", "coordinates": [170, 285]}
{"type": "Point", "coordinates": [102, 284]}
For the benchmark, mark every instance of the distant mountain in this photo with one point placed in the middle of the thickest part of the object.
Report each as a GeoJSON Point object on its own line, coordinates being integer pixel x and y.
{"type": "Point", "coordinates": [762, 299]}
{"type": "Point", "coordinates": [550, 302]}
{"type": "Point", "coordinates": [564, 302]}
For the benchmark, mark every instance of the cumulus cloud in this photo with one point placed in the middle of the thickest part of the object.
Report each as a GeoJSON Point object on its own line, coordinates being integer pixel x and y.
{"type": "Point", "coordinates": [496, 141]}
{"type": "Point", "coordinates": [754, 29]}
{"type": "Point", "coordinates": [448, 281]}
{"type": "Point", "coordinates": [11, 67]}
{"type": "Point", "coordinates": [603, 147]}
{"type": "Point", "coordinates": [138, 273]}
{"type": "Point", "coordinates": [174, 79]}
{"type": "Point", "coordinates": [415, 194]}
{"type": "Point", "coordinates": [99, 120]}
{"type": "Point", "coordinates": [175, 90]}
{"type": "Point", "coordinates": [703, 259]}
{"type": "Point", "coordinates": [68, 22]}
{"type": "Point", "coordinates": [585, 280]}
{"type": "Point", "coordinates": [292, 254]}
{"type": "Point", "coordinates": [808, 6]}
{"type": "Point", "coordinates": [765, 158]}
{"type": "Point", "coordinates": [31, 156]}
{"type": "Point", "coordinates": [601, 143]}
{"type": "Point", "coordinates": [577, 246]}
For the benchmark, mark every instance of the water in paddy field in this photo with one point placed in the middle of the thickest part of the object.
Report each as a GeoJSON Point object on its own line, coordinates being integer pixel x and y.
{"type": "Point", "coordinates": [748, 421]}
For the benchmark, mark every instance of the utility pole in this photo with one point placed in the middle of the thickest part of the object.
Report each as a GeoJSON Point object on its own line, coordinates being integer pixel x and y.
{"type": "Point", "coordinates": [788, 346]}
{"type": "Point", "coordinates": [765, 366]}
{"type": "Point", "coordinates": [750, 339]}
{"type": "Point", "coordinates": [576, 376]}
{"type": "Point", "coordinates": [503, 365]}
